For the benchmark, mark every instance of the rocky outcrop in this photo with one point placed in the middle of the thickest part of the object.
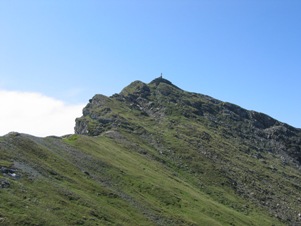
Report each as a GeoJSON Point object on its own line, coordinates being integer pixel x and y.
{"type": "Point", "coordinates": [4, 183]}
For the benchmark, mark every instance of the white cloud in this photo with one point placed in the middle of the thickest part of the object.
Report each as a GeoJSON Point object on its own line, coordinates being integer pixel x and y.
{"type": "Point", "coordinates": [36, 114]}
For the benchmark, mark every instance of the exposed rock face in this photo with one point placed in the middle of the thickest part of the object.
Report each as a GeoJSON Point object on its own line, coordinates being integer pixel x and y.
{"type": "Point", "coordinates": [4, 183]}
{"type": "Point", "coordinates": [95, 116]}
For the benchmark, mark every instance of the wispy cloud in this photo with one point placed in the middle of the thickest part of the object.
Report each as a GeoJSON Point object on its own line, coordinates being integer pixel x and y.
{"type": "Point", "coordinates": [36, 114]}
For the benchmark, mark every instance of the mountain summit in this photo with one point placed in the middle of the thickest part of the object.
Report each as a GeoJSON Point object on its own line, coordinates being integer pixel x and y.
{"type": "Point", "coordinates": [160, 79]}
{"type": "Point", "coordinates": [162, 102]}
{"type": "Point", "coordinates": [155, 154]}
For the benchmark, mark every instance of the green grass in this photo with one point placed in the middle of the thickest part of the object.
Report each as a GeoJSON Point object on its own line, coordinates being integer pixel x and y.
{"type": "Point", "coordinates": [150, 182]}
{"type": "Point", "coordinates": [97, 181]}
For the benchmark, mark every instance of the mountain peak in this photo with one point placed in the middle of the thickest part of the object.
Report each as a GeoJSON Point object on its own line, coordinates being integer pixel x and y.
{"type": "Point", "coordinates": [160, 148]}
{"type": "Point", "coordinates": [160, 79]}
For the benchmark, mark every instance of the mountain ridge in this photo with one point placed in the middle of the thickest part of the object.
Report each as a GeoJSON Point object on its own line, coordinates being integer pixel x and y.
{"type": "Point", "coordinates": [155, 154]}
{"type": "Point", "coordinates": [138, 95]}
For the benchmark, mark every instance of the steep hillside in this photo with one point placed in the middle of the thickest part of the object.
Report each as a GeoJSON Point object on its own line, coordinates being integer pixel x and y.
{"type": "Point", "coordinates": [155, 155]}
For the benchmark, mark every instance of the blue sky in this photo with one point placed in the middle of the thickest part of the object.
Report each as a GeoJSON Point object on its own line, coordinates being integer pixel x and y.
{"type": "Point", "coordinates": [244, 52]}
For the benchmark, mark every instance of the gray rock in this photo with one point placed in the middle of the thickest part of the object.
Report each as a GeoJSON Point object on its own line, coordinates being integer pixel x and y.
{"type": "Point", "coordinates": [4, 183]}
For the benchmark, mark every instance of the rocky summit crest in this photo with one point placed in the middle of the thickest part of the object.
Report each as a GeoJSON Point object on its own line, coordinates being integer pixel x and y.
{"type": "Point", "coordinates": [162, 101]}
{"type": "Point", "coordinates": [160, 79]}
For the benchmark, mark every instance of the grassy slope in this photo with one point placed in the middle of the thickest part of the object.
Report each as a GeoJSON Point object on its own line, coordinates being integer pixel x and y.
{"type": "Point", "coordinates": [97, 181]}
